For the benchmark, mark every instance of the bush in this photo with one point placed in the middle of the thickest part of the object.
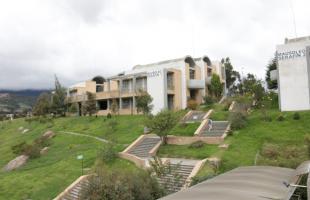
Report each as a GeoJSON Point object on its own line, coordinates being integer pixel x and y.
{"type": "Point", "coordinates": [121, 184]}
{"type": "Point", "coordinates": [270, 151]}
{"type": "Point", "coordinates": [238, 120]}
{"type": "Point", "coordinates": [109, 116]}
{"type": "Point", "coordinates": [296, 116]}
{"type": "Point", "coordinates": [196, 145]}
{"type": "Point", "coordinates": [209, 100]}
{"type": "Point", "coordinates": [280, 118]}
{"type": "Point", "coordinates": [108, 153]}
{"type": "Point", "coordinates": [19, 148]}
{"type": "Point", "coordinates": [33, 151]}
{"type": "Point", "coordinates": [192, 104]}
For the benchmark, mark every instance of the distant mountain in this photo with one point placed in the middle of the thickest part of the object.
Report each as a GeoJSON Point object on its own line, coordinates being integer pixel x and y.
{"type": "Point", "coordinates": [16, 101]}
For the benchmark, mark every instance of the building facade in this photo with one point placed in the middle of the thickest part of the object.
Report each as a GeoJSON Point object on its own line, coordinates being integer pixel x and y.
{"type": "Point", "coordinates": [293, 74]}
{"type": "Point", "coordinates": [171, 84]}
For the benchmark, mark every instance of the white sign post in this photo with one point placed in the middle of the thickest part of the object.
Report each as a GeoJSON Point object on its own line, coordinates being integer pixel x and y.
{"type": "Point", "coordinates": [80, 157]}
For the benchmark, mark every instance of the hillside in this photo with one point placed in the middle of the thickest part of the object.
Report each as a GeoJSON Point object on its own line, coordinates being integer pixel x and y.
{"type": "Point", "coordinates": [266, 142]}
{"type": "Point", "coordinates": [16, 101]}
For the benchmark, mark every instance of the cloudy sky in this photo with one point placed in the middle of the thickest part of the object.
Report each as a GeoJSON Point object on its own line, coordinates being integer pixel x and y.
{"type": "Point", "coordinates": [78, 39]}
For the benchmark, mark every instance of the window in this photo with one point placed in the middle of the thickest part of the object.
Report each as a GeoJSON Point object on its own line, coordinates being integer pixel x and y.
{"type": "Point", "coordinates": [99, 88]}
{"type": "Point", "coordinates": [141, 84]}
{"type": "Point", "coordinates": [126, 87]}
{"type": "Point", "coordinates": [126, 103]}
{"type": "Point", "coordinates": [170, 84]}
{"type": "Point", "coordinates": [191, 74]}
{"type": "Point", "coordinates": [103, 105]}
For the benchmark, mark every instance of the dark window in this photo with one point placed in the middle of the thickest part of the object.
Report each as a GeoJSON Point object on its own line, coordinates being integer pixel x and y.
{"type": "Point", "coordinates": [191, 74]}
{"type": "Point", "coordinates": [103, 105]}
{"type": "Point", "coordinates": [99, 88]}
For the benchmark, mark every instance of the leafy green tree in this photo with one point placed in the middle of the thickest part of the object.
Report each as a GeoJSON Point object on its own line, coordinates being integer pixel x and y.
{"type": "Point", "coordinates": [143, 102]}
{"type": "Point", "coordinates": [231, 75]}
{"type": "Point", "coordinates": [42, 106]}
{"type": "Point", "coordinates": [271, 84]}
{"type": "Point", "coordinates": [89, 106]}
{"type": "Point", "coordinates": [216, 86]}
{"type": "Point", "coordinates": [162, 123]}
{"type": "Point", "coordinates": [58, 104]}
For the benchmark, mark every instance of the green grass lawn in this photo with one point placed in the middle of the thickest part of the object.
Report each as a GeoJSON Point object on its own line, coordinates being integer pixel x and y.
{"type": "Point", "coordinates": [219, 113]}
{"type": "Point", "coordinates": [47, 176]}
{"type": "Point", "coordinates": [246, 143]}
{"type": "Point", "coordinates": [185, 129]}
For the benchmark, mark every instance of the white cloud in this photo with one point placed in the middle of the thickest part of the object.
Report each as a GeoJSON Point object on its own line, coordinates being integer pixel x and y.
{"type": "Point", "coordinates": [77, 39]}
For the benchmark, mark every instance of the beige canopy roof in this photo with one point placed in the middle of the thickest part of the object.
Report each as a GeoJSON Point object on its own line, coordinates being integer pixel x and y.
{"type": "Point", "coordinates": [244, 183]}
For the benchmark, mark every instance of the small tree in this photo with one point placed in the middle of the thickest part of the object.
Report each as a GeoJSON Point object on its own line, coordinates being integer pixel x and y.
{"type": "Point", "coordinates": [162, 123]}
{"type": "Point", "coordinates": [114, 106]}
{"type": "Point", "coordinates": [143, 102]}
{"type": "Point", "coordinates": [272, 84]}
{"type": "Point", "coordinates": [42, 106]}
{"type": "Point", "coordinates": [58, 104]}
{"type": "Point", "coordinates": [231, 75]}
{"type": "Point", "coordinates": [89, 106]}
{"type": "Point", "coordinates": [216, 86]}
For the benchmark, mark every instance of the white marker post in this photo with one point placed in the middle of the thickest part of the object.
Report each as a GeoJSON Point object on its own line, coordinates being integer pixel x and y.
{"type": "Point", "coordinates": [80, 157]}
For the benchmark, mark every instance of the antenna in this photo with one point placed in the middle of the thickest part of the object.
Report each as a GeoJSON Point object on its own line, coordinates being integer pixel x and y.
{"type": "Point", "coordinates": [293, 13]}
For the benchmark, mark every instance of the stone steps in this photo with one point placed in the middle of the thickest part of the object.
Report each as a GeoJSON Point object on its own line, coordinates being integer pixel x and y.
{"type": "Point", "coordinates": [218, 129]}
{"type": "Point", "coordinates": [174, 184]}
{"type": "Point", "coordinates": [143, 148]}
{"type": "Point", "coordinates": [75, 192]}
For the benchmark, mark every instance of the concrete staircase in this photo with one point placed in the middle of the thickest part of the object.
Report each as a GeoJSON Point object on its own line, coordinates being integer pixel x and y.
{"type": "Point", "coordinates": [176, 180]}
{"type": "Point", "coordinates": [143, 148]}
{"type": "Point", "coordinates": [194, 116]}
{"type": "Point", "coordinates": [74, 193]}
{"type": "Point", "coordinates": [218, 129]}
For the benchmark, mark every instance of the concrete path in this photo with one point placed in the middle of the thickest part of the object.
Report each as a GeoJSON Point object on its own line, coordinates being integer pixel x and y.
{"type": "Point", "coordinates": [84, 135]}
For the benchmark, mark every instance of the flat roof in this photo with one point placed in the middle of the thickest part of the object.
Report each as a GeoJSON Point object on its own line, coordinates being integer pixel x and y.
{"type": "Point", "coordinates": [244, 183]}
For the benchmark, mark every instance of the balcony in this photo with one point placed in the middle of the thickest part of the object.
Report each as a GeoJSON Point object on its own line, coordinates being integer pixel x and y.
{"type": "Point", "coordinates": [77, 98]}
{"type": "Point", "coordinates": [195, 84]}
{"type": "Point", "coordinates": [108, 94]}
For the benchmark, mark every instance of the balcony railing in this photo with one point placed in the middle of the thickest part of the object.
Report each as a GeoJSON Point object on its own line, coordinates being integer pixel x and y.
{"type": "Point", "coordinates": [196, 84]}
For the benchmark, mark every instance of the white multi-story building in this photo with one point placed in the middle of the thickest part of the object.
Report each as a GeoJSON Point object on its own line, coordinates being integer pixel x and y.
{"type": "Point", "coordinates": [293, 74]}
{"type": "Point", "coordinates": [171, 84]}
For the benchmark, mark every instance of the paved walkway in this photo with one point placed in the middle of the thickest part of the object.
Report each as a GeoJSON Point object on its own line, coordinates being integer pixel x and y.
{"type": "Point", "coordinates": [84, 135]}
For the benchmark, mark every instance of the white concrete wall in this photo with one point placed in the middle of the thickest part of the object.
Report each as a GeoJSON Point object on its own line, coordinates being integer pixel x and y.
{"type": "Point", "coordinates": [293, 77]}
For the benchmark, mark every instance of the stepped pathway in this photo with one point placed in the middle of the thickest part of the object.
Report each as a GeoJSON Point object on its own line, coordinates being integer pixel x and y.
{"type": "Point", "coordinates": [195, 116]}
{"type": "Point", "coordinates": [217, 130]}
{"type": "Point", "coordinates": [143, 148]}
{"type": "Point", "coordinates": [176, 180]}
{"type": "Point", "coordinates": [75, 192]}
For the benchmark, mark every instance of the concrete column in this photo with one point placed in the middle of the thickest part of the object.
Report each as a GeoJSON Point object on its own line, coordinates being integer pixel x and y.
{"type": "Point", "coordinates": [134, 85]}
{"type": "Point", "coordinates": [120, 93]}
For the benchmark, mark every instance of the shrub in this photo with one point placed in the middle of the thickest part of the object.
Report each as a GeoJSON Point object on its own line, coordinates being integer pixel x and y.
{"type": "Point", "coordinates": [33, 151]}
{"type": "Point", "coordinates": [108, 153]}
{"type": "Point", "coordinates": [19, 148]}
{"type": "Point", "coordinates": [296, 116]}
{"type": "Point", "coordinates": [209, 100]}
{"type": "Point", "coordinates": [196, 145]}
{"type": "Point", "coordinates": [192, 104]}
{"type": "Point", "coordinates": [280, 118]}
{"type": "Point", "coordinates": [270, 151]}
{"type": "Point", "coordinates": [238, 120]}
{"type": "Point", "coordinates": [109, 116]}
{"type": "Point", "coordinates": [121, 184]}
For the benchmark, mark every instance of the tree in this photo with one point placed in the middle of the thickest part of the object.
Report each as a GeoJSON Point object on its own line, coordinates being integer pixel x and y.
{"type": "Point", "coordinates": [143, 102]}
{"type": "Point", "coordinates": [216, 86]}
{"type": "Point", "coordinates": [271, 84]}
{"type": "Point", "coordinates": [231, 74]}
{"type": "Point", "coordinates": [89, 106]}
{"type": "Point", "coordinates": [42, 106]}
{"type": "Point", "coordinates": [114, 106]}
{"type": "Point", "coordinates": [58, 99]}
{"type": "Point", "coordinates": [162, 123]}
